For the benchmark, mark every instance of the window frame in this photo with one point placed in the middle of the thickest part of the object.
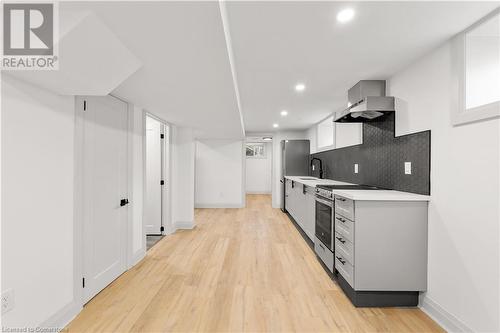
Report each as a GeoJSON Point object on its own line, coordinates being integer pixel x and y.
{"type": "Point", "coordinates": [263, 144]}
{"type": "Point", "coordinates": [459, 113]}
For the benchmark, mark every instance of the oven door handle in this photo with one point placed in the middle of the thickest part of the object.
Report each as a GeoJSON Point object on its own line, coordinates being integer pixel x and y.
{"type": "Point", "coordinates": [325, 202]}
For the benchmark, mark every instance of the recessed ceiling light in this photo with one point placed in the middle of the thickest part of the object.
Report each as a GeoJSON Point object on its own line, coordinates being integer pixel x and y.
{"type": "Point", "coordinates": [284, 113]}
{"type": "Point", "coordinates": [300, 87]}
{"type": "Point", "coordinates": [267, 138]}
{"type": "Point", "coordinates": [276, 125]}
{"type": "Point", "coordinates": [345, 15]}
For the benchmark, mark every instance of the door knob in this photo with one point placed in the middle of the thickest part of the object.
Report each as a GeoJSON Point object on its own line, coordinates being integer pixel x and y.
{"type": "Point", "coordinates": [124, 202]}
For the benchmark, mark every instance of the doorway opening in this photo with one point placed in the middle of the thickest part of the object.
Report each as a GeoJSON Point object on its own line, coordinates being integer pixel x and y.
{"type": "Point", "coordinates": [156, 179]}
{"type": "Point", "coordinates": [259, 164]}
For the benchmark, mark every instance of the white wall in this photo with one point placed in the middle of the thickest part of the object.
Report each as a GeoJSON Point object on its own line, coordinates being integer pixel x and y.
{"type": "Point", "coordinates": [277, 191]}
{"type": "Point", "coordinates": [182, 178]}
{"type": "Point", "coordinates": [258, 172]}
{"type": "Point", "coordinates": [219, 174]}
{"type": "Point", "coordinates": [463, 277]}
{"type": "Point", "coordinates": [38, 188]}
{"type": "Point", "coordinates": [37, 201]}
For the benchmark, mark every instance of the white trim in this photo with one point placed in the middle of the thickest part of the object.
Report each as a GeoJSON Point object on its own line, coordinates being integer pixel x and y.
{"type": "Point", "coordinates": [78, 207]}
{"type": "Point", "coordinates": [230, 55]}
{"type": "Point", "coordinates": [62, 317]}
{"type": "Point", "coordinates": [459, 113]}
{"type": "Point", "coordinates": [258, 192]}
{"type": "Point", "coordinates": [219, 205]}
{"type": "Point", "coordinates": [131, 256]}
{"type": "Point", "coordinates": [137, 257]}
{"type": "Point", "coordinates": [445, 319]}
{"type": "Point", "coordinates": [185, 225]}
{"type": "Point", "coordinates": [244, 172]}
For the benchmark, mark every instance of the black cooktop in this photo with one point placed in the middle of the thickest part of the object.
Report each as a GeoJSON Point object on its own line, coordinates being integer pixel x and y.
{"type": "Point", "coordinates": [347, 187]}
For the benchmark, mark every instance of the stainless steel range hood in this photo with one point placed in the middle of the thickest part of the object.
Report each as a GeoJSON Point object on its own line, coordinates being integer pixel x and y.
{"type": "Point", "coordinates": [367, 101]}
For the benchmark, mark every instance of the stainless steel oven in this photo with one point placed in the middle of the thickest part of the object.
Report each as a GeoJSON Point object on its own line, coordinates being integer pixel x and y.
{"type": "Point", "coordinates": [324, 227]}
{"type": "Point", "coordinates": [324, 240]}
{"type": "Point", "coordinates": [324, 221]}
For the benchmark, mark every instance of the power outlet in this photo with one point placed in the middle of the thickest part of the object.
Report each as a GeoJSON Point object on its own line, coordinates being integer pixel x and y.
{"type": "Point", "coordinates": [356, 168]}
{"type": "Point", "coordinates": [407, 168]}
{"type": "Point", "coordinates": [7, 300]}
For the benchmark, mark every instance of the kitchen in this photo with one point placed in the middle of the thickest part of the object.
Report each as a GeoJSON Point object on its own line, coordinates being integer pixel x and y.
{"type": "Point", "coordinates": [387, 220]}
{"type": "Point", "coordinates": [256, 166]}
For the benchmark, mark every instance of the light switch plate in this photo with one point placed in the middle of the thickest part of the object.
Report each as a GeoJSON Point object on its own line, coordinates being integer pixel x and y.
{"type": "Point", "coordinates": [407, 168]}
{"type": "Point", "coordinates": [7, 300]}
{"type": "Point", "coordinates": [356, 168]}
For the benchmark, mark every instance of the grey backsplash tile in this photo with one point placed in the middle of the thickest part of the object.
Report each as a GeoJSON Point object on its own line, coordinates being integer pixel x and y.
{"type": "Point", "coordinates": [381, 159]}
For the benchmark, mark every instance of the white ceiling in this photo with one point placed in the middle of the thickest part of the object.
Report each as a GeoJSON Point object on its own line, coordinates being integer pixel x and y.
{"type": "Point", "coordinates": [277, 44]}
{"type": "Point", "coordinates": [186, 74]}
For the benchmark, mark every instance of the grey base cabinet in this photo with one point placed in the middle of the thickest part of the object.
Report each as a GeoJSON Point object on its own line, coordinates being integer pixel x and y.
{"type": "Point", "coordinates": [381, 250]}
{"type": "Point", "coordinates": [300, 204]}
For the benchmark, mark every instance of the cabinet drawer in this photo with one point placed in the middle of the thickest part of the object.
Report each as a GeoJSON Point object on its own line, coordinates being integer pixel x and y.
{"type": "Point", "coordinates": [344, 227]}
{"type": "Point", "coordinates": [344, 248]}
{"type": "Point", "coordinates": [324, 253]}
{"type": "Point", "coordinates": [344, 207]}
{"type": "Point", "coordinates": [345, 269]}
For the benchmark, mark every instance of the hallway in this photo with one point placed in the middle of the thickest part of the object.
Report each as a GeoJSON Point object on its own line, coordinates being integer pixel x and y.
{"type": "Point", "coordinates": [238, 270]}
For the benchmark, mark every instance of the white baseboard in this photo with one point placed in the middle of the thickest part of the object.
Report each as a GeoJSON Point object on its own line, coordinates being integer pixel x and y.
{"type": "Point", "coordinates": [184, 225]}
{"type": "Point", "coordinates": [258, 192]}
{"type": "Point", "coordinates": [137, 257]}
{"type": "Point", "coordinates": [219, 205]}
{"type": "Point", "coordinates": [445, 319]}
{"type": "Point", "coordinates": [63, 317]}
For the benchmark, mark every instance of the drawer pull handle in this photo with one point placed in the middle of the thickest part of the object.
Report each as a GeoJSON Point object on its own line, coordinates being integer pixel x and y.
{"type": "Point", "coordinates": [321, 246]}
{"type": "Point", "coordinates": [340, 259]}
{"type": "Point", "coordinates": [340, 219]}
{"type": "Point", "coordinates": [340, 240]}
{"type": "Point", "coordinates": [341, 199]}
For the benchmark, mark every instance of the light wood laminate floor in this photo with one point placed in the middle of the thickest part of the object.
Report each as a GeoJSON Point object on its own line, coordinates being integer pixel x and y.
{"type": "Point", "coordinates": [238, 270]}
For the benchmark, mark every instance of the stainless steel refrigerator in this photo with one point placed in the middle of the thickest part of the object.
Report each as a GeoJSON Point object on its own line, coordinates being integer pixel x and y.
{"type": "Point", "coordinates": [294, 161]}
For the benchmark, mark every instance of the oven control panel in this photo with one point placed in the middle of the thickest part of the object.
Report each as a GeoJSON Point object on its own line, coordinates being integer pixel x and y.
{"type": "Point", "coordinates": [324, 193]}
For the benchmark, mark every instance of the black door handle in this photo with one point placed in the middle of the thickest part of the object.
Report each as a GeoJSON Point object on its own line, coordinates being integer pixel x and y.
{"type": "Point", "coordinates": [124, 202]}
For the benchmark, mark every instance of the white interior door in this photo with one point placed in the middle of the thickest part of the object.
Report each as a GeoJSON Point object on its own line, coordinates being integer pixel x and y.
{"type": "Point", "coordinates": [104, 188]}
{"type": "Point", "coordinates": [154, 166]}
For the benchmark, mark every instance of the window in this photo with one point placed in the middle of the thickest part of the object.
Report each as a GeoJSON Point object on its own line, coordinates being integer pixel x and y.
{"type": "Point", "coordinates": [477, 52]}
{"type": "Point", "coordinates": [256, 150]}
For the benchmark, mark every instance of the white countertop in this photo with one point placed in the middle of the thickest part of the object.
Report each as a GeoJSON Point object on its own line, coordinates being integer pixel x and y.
{"type": "Point", "coordinates": [381, 195]}
{"type": "Point", "coordinates": [362, 195]}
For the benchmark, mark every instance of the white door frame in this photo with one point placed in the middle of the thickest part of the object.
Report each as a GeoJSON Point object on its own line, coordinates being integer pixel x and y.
{"type": "Point", "coordinates": [167, 167]}
{"type": "Point", "coordinates": [78, 235]}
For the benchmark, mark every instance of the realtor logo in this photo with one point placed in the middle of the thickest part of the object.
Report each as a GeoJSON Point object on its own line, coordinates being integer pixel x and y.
{"type": "Point", "coordinates": [28, 36]}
